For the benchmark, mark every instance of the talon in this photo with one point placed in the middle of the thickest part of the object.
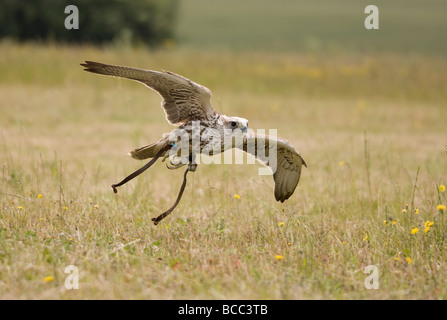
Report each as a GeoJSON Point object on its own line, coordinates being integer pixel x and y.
{"type": "Point", "coordinates": [174, 166]}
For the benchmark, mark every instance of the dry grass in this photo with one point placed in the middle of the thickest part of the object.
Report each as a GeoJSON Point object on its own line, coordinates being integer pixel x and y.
{"type": "Point", "coordinates": [64, 134]}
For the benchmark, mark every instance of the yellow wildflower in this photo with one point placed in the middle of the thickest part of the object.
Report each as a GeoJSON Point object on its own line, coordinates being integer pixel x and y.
{"type": "Point", "coordinates": [65, 208]}
{"type": "Point", "coordinates": [20, 207]}
{"type": "Point", "coordinates": [39, 196]}
{"type": "Point", "coordinates": [415, 230]}
{"type": "Point", "coordinates": [442, 188]}
{"type": "Point", "coordinates": [409, 260]}
{"type": "Point", "coordinates": [48, 279]}
{"type": "Point", "coordinates": [385, 222]}
{"type": "Point", "coordinates": [278, 257]}
{"type": "Point", "coordinates": [416, 210]}
{"type": "Point", "coordinates": [281, 224]}
{"type": "Point", "coordinates": [427, 229]}
{"type": "Point", "coordinates": [428, 223]}
{"type": "Point", "coordinates": [365, 238]}
{"type": "Point", "coordinates": [236, 196]}
{"type": "Point", "coordinates": [393, 222]}
{"type": "Point", "coordinates": [440, 208]}
{"type": "Point", "coordinates": [341, 163]}
{"type": "Point", "coordinates": [95, 206]}
{"type": "Point", "coordinates": [396, 258]}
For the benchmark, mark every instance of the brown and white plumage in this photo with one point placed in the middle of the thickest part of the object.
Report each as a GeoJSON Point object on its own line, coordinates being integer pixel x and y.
{"type": "Point", "coordinates": [287, 167]}
{"type": "Point", "coordinates": [185, 101]}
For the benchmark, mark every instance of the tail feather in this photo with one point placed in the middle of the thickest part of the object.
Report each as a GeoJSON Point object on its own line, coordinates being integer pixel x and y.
{"type": "Point", "coordinates": [148, 151]}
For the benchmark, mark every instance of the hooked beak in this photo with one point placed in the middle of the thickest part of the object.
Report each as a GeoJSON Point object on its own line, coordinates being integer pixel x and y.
{"type": "Point", "coordinates": [244, 128]}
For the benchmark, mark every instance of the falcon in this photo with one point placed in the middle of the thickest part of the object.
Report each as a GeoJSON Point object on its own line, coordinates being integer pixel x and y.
{"type": "Point", "coordinates": [202, 130]}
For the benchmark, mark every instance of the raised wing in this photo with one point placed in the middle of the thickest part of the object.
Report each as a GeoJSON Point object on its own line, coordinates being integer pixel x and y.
{"type": "Point", "coordinates": [286, 166]}
{"type": "Point", "coordinates": [183, 99]}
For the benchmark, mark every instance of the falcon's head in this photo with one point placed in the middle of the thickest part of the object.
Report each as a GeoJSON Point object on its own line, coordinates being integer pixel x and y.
{"type": "Point", "coordinates": [235, 131]}
{"type": "Point", "coordinates": [234, 123]}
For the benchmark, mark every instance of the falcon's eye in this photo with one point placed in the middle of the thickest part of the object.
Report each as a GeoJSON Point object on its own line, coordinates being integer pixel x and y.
{"type": "Point", "coordinates": [233, 124]}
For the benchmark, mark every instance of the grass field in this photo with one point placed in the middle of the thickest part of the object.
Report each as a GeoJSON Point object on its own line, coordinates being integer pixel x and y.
{"type": "Point", "coordinates": [370, 124]}
{"type": "Point", "coordinates": [373, 139]}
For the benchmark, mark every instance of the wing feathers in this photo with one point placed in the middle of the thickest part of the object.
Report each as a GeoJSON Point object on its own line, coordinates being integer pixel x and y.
{"type": "Point", "coordinates": [183, 99]}
{"type": "Point", "coordinates": [288, 162]}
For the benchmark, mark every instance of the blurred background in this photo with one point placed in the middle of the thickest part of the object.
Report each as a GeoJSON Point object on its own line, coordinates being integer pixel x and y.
{"type": "Point", "coordinates": [405, 25]}
{"type": "Point", "coordinates": [419, 27]}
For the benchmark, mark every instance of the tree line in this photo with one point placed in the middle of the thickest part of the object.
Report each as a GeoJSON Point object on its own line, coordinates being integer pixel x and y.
{"type": "Point", "coordinates": [100, 21]}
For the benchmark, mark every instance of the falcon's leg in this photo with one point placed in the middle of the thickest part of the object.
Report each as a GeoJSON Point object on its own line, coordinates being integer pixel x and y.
{"type": "Point", "coordinates": [174, 166]}
{"type": "Point", "coordinates": [192, 166]}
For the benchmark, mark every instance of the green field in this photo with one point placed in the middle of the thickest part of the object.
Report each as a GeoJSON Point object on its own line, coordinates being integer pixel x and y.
{"type": "Point", "coordinates": [314, 26]}
{"type": "Point", "coordinates": [370, 124]}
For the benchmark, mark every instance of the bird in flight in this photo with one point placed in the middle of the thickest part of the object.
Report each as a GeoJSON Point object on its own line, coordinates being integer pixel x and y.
{"type": "Point", "coordinates": [202, 130]}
